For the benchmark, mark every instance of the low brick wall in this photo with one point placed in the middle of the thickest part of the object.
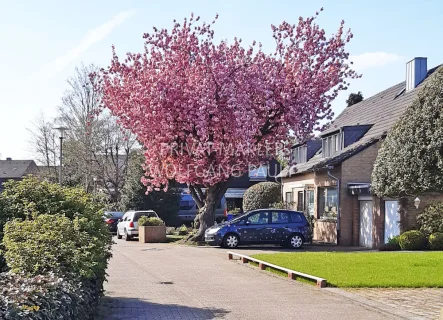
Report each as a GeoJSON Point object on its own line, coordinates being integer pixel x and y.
{"type": "Point", "coordinates": [325, 231]}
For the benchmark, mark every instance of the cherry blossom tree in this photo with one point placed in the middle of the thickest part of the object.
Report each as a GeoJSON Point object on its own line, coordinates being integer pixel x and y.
{"type": "Point", "coordinates": [207, 111]}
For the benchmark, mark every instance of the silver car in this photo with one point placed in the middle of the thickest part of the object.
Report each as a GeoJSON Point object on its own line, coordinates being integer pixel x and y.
{"type": "Point", "coordinates": [128, 227]}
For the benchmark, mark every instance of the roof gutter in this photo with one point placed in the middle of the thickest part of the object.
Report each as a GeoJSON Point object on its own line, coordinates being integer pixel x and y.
{"type": "Point", "coordinates": [329, 168]}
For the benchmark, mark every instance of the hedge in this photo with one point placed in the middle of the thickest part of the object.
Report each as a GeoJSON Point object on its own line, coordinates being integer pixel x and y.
{"type": "Point", "coordinates": [413, 240]}
{"type": "Point", "coordinates": [58, 245]}
{"type": "Point", "coordinates": [436, 241]}
{"type": "Point", "coordinates": [46, 297]}
{"type": "Point", "coordinates": [144, 221]}
{"type": "Point", "coordinates": [261, 195]}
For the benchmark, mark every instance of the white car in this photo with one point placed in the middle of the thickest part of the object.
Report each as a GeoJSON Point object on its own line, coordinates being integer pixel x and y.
{"type": "Point", "coordinates": [127, 226]}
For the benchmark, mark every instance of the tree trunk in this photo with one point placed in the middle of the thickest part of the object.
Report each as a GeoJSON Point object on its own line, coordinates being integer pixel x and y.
{"type": "Point", "coordinates": [206, 215]}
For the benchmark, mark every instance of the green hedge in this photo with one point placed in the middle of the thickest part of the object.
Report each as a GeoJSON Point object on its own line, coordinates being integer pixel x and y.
{"type": "Point", "coordinates": [58, 245]}
{"type": "Point", "coordinates": [436, 241]}
{"type": "Point", "coordinates": [413, 240]}
{"type": "Point", "coordinates": [46, 297]}
{"type": "Point", "coordinates": [261, 196]}
{"type": "Point", "coordinates": [144, 221]}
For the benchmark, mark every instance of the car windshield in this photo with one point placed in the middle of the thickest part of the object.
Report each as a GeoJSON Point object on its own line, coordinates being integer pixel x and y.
{"type": "Point", "coordinates": [117, 215]}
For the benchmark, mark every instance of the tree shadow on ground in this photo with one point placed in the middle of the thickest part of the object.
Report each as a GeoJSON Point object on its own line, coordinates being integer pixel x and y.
{"type": "Point", "coordinates": [305, 248]}
{"type": "Point", "coordinates": [140, 309]}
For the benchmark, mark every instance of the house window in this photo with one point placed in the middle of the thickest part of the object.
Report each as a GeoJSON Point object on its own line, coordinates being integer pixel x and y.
{"type": "Point", "coordinates": [258, 174]}
{"type": "Point", "coordinates": [300, 201]}
{"type": "Point", "coordinates": [299, 154]}
{"type": "Point", "coordinates": [288, 197]}
{"type": "Point", "coordinates": [310, 202]}
{"type": "Point", "coordinates": [331, 145]}
{"type": "Point", "coordinates": [327, 202]}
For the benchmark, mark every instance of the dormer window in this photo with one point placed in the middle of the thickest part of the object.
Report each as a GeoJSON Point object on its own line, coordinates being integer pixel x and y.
{"type": "Point", "coordinates": [332, 144]}
{"type": "Point", "coordinates": [299, 154]}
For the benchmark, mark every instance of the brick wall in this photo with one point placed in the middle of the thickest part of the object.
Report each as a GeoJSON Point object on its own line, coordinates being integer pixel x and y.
{"type": "Point", "coordinates": [408, 211]}
{"type": "Point", "coordinates": [355, 169]}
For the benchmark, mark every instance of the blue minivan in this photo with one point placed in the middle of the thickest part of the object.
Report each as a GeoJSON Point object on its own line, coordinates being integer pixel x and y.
{"type": "Point", "coordinates": [264, 226]}
{"type": "Point", "coordinates": [188, 209]}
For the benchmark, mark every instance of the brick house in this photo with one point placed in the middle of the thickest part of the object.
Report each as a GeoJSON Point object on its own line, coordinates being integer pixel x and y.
{"type": "Point", "coordinates": [16, 169]}
{"type": "Point", "coordinates": [332, 177]}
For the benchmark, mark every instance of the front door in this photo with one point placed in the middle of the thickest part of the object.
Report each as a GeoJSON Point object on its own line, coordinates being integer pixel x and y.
{"type": "Point", "coordinates": [392, 219]}
{"type": "Point", "coordinates": [257, 228]}
{"type": "Point", "coordinates": [366, 224]}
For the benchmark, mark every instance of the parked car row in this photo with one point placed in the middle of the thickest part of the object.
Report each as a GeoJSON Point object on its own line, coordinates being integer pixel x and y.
{"type": "Point", "coordinates": [265, 226]}
{"type": "Point", "coordinates": [125, 224]}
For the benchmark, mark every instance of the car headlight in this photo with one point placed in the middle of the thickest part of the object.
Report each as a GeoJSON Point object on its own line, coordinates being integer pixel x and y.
{"type": "Point", "coordinates": [213, 230]}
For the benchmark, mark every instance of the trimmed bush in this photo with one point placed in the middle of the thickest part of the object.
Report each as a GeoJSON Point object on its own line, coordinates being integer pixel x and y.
{"type": "Point", "coordinates": [436, 241]}
{"type": "Point", "coordinates": [54, 244]}
{"type": "Point", "coordinates": [261, 195]}
{"type": "Point", "coordinates": [46, 297]}
{"type": "Point", "coordinates": [413, 240]}
{"type": "Point", "coordinates": [183, 230]}
{"type": "Point", "coordinates": [170, 230]}
{"type": "Point", "coordinates": [431, 219]}
{"type": "Point", "coordinates": [144, 221]}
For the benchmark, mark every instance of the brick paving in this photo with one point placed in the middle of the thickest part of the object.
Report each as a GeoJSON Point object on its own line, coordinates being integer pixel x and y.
{"type": "Point", "coordinates": [168, 281]}
{"type": "Point", "coordinates": [422, 303]}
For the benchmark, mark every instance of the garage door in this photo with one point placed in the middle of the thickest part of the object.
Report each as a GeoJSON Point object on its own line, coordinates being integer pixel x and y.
{"type": "Point", "coordinates": [392, 219]}
{"type": "Point", "coordinates": [366, 224]}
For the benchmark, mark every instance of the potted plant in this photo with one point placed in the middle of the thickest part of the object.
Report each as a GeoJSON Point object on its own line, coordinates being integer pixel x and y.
{"type": "Point", "coordinates": [151, 230]}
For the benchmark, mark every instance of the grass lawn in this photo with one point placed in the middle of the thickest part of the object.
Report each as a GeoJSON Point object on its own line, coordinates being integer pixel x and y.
{"type": "Point", "coordinates": [173, 238]}
{"type": "Point", "coordinates": [366, 269]}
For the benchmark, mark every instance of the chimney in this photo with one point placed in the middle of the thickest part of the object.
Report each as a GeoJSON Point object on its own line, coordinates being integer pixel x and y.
{"type": "Point", "coordinates": [8, 159]}
{"type": "Point", "coordinates": [416, 71]}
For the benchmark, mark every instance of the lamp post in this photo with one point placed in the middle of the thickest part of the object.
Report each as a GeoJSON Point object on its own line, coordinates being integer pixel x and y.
{"type": "Point", "coordinates": [61, 131]}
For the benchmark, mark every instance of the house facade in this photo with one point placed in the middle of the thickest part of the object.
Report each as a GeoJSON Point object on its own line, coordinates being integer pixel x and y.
{"type": "Point", "coordinates": [16, 169]}
{"type": "Point", "coordinates": [331, 179]}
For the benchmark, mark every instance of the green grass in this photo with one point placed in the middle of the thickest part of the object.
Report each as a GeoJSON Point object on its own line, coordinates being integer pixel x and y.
{"type": "Point", "coordinates": [366, 269]}
{"type": "Point", "coordinates": [173, 238]}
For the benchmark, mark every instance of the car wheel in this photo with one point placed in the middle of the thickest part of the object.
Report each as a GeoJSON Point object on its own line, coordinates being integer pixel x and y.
{"type": "Point", "coordinates": [231, 241]}
{"type": "Point", "coordinates": [119, 236]}
{"type": "Point", "coordinates": [127, 236]}
{"type": "Point", "coordinates": [296, 241]}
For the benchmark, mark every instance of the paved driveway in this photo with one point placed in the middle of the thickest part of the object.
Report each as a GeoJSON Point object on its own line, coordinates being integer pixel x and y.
{"type": "Point", "coordinates": [168, 281]}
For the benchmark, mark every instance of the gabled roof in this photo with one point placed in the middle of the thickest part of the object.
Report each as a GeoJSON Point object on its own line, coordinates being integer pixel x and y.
{"type": "Point", "coordinates": [381, 111]}
{"type": "Point", "coordinates": [13, 169]}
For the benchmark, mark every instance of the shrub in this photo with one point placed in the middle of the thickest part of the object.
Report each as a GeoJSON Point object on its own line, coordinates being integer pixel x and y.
{"type": "Point", "coordinates": [183, 230]}
{"type": "Point", "coordinates": [54, 244]}
{"type": "Point", "coordinates": [413, 240]}
{"type": "Point", "coordinates": [431, 219]}
{"type": "Point", "coordinates": [395, 241]}
{"type": "Point", "coordinates": [170, 230]}
{"type": "Point", "coordinates": [144, 221]}
{"type": "Point", "coordinates": [30, 198]}
{"type": "Point", "coordinates": [46, 297]}
{"type": "Point", "coordinates": [436, 241]}
{"type": "Point", "coordinates": [261, 196]}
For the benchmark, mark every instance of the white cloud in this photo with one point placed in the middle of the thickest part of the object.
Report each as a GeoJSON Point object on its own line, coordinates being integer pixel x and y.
{"type": "Point", "coordinates": [374, 59]}
{"type": "Point", "coordinates": [93, 36]}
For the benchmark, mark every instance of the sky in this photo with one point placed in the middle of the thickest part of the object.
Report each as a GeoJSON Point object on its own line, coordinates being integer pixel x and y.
{"type": "Point", "coordinates": [41, 43]}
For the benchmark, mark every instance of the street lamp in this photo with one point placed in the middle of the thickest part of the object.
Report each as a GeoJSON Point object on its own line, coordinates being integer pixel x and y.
{"type": "Point", "coordinates": [61, 131]}
{"type": "Point", "coordinates": [417, 202]}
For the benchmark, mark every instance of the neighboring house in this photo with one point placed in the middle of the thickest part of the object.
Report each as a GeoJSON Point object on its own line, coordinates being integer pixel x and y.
{"type": "Point", "coordinates": [332, 176]}
{"type": "Point", "coordinates": [16, 169]}
{"type": "Point", "coordinates": [238, 185]}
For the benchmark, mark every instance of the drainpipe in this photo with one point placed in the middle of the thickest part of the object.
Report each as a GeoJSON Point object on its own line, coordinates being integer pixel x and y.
{"type": "Point", "coordinates": [338, 200]}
